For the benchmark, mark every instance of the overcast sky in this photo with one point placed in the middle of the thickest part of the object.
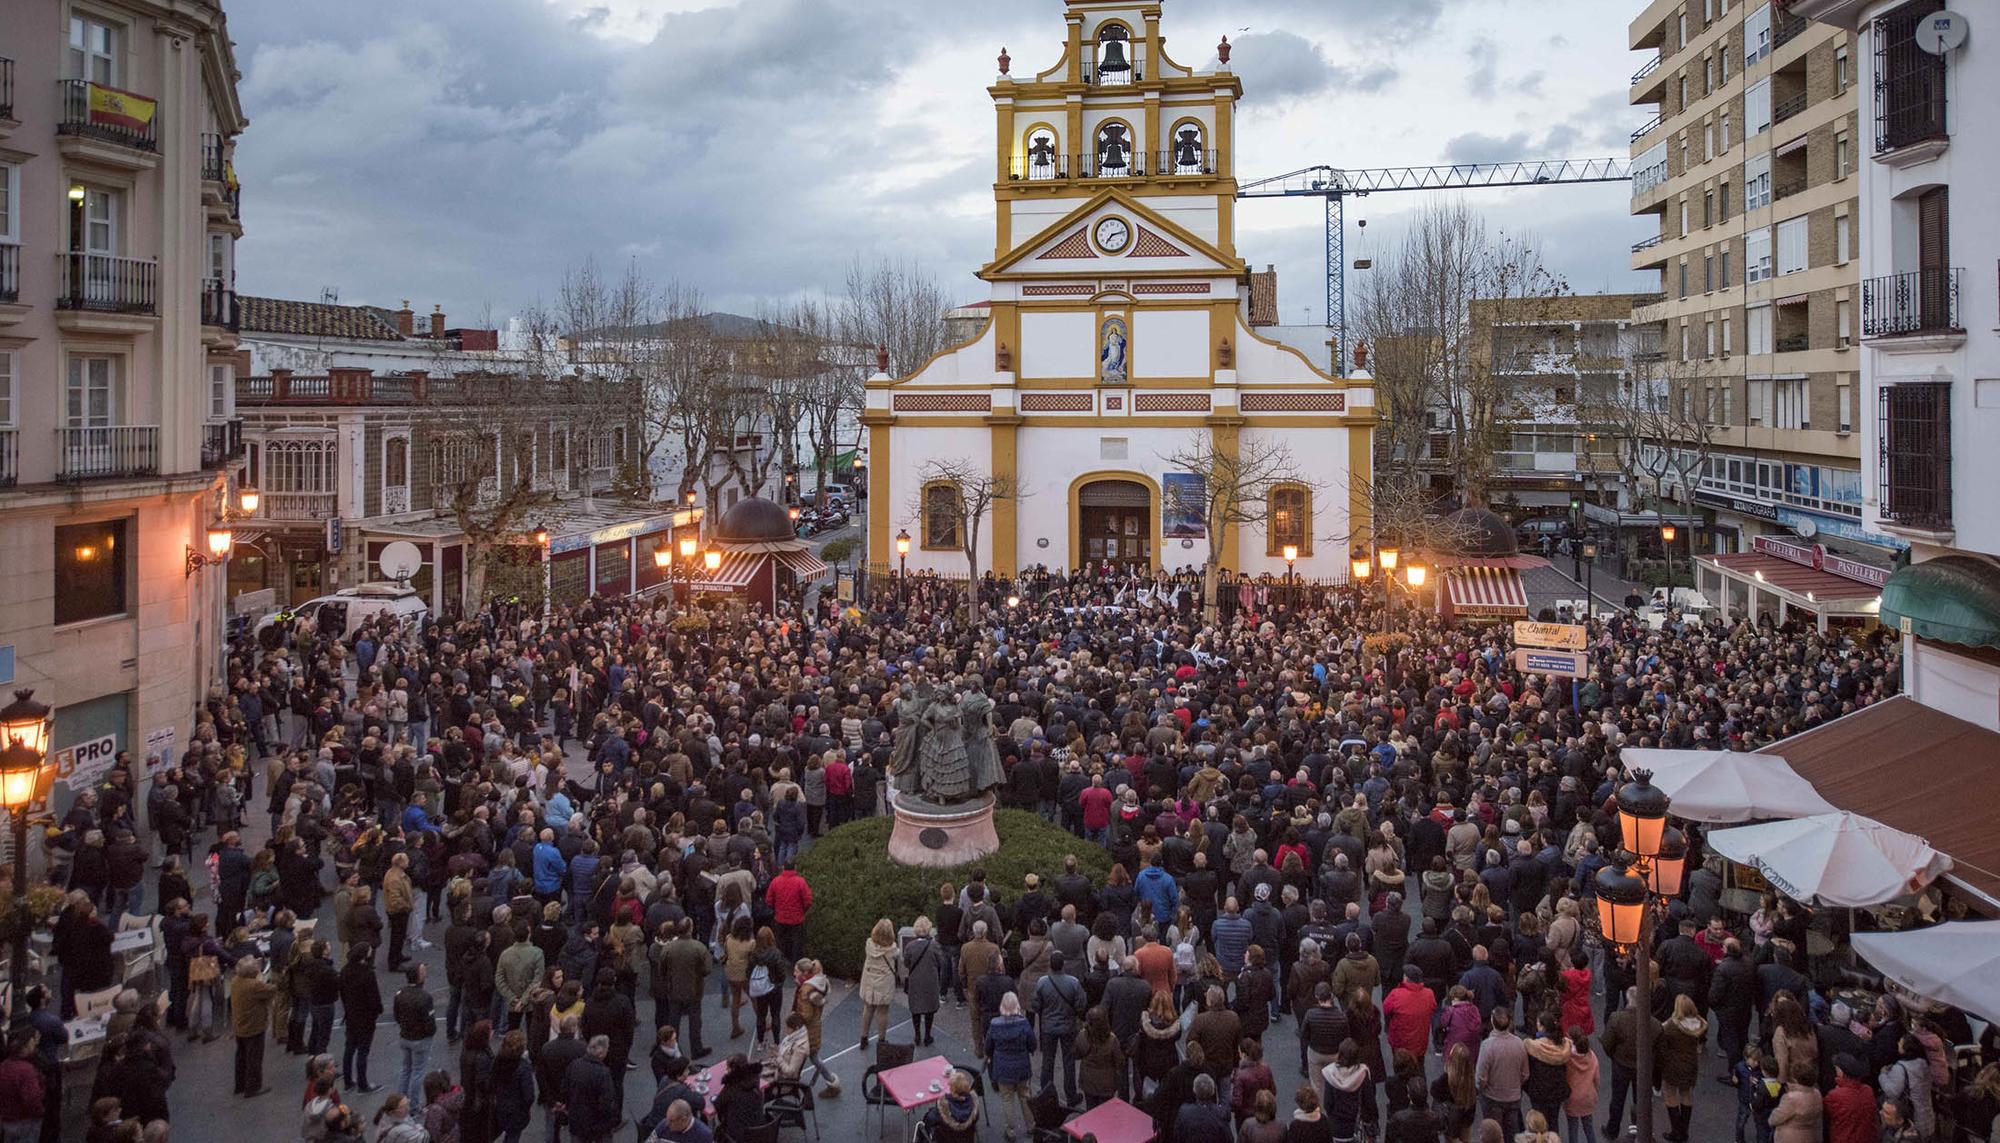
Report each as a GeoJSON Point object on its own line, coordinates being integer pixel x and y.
{"type": "Point", "coordinates": [465, 152]}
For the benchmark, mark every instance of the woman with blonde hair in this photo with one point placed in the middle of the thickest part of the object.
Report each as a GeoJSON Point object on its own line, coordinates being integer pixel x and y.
{"type": "Point", "coordinates": [1679, 1062]}
{"type": "Point", "coordinates": [881, 970]}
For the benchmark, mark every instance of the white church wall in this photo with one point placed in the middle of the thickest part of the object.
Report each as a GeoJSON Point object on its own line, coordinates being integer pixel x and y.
{"type": "Point", "coordinates": [1319, 455]}
{"type": "Point", "coordinates": [1195, 214]}
{"type": "Point", "coordinates": [969, 364]}
{"type": "Point", "coordinates": [1050, 461]}
{"type": "Point", "coordinates": [1169, 343]}
{"type": "Point", "coordinates": [915, 447]}
{"type": "Point", "coordinates": [1058, 344]}
{"type": "Point", "coordinates": [1259, 362]}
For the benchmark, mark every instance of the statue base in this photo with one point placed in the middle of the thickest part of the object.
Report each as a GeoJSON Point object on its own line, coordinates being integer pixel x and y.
{"type": "Point", "coordinates": [940, 837]}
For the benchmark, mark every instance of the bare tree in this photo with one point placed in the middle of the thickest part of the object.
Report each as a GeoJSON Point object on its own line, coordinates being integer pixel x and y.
{"type": "Point", "coordinates": [1664, 416]}
{"type": "Point", "coordinates": [1236, 484]}
{"type": "Point", "coordinates": [1406, 512]}
{"type": "Point", "coordinates": [958, 518]}
{"type": "Point", "coordinates": [894, 304]}
{"type": "Point", "coordinates": [1436, 353]}
{"type": "Point", "coordinates": [605, 329]}
{"type": "Point", "coordinates": [479, 443]}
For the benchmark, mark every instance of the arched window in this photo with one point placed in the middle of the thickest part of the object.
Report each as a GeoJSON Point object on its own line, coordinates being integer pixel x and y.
{"type": "Point", "coordinates": [1290, 520]}
{"type": "Point", "coordinates": [1190, 149]}
{"type": "Point", "coordinates": [1114, 150]}
{"type": "Point", "coordinates": [1114, 55]}
{"type": "Point", "coordinates": [944, 512]}
{"type": "Point", "coordinates": [1040, 154]}
{"type": "Point", "coordinates": [396, 462]}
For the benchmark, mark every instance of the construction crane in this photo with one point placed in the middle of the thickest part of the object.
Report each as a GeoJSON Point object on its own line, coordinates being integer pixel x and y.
{"type": "Point", "coordinates": [1335, 185]}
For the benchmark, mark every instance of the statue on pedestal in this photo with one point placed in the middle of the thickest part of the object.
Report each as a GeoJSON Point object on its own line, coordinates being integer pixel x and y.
{"type": "Point", "coordinates": [943, 749]}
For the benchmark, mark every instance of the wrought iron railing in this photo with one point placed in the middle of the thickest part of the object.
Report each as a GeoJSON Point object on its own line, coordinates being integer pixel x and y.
{"type": "Point", "coordinates": [6, 88]}
{"type": "Point", "coordinates": [1909, 83]}
{"type": "Point", "coordinates": [298, 505]}
{"type": "Point", "coordinates": [103, 451]}
{"type": "Point", "coordinates": [1785, 28]}
{"type": "Point", "coordinates": [221, 442]}
{"type": "Point", "coordinates": [1794, 344]}
{"type": "Point", "coordinates": [10, 457]}
{"type": "Point", "coordinates": [82, 116]}
{"type": "Point", "coordinates": [1914, 464]}
{"type": "Point", "coordinates": [1920, 301]}
{"type": "Point", "coordinates": [108, 283]}
{"type": "Point", "coordinates": [1648, 243]}
{"type": "Point", "coordinates": [10, 272]}
{"type": "Point", "coordinates": [1131, 165]}
{"type": "Point", "coordinates": [213, 167]}
{"type": "Point", "coordinates": [1651, 66]}
{"type": "Point", "coordinates": [1642, 132]}
{"type": "Point", "coordinates": [218, 305]}
{"type": "Point", "coordinates": [1787, 108]}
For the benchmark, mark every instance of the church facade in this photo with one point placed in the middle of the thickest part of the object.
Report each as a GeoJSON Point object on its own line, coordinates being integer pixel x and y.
{"type": "Point", "coordinates": [1118, 338]}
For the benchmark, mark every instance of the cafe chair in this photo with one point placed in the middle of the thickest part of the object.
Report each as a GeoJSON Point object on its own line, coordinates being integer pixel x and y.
{"type": "Point", "coordinates": [790, 1104]}
{"type": "Point", "coordinates": [90, 1004]}
{"type": "Point", "coordinates": [927, 1132]}
{"type": "Point", "coordinates": [765, 1132]}
{"type": "Point", "coordinates": [1048, 1117]}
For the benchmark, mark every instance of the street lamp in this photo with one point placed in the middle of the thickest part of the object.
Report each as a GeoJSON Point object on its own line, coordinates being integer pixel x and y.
{"type": "Point", "coordinates": [1361, 565]}
{"type": "Point", "coordinates": [712, 558]}
{"type": "Point", "coordinates": [1389, 557]}
{"type": "Point", "coordinates": [1668, 532]}
{"type": "Point", "coordinates": [1013, 601]}
{"type": "Point", "coordinates": [25, 776]}
{"type": "Point", "coordinates": [902, 560]}
{"type": "Point", "coordinates": [684, 570]}
{"type": "Point", "coordinates": [663, 556]}
{"type": "Point", "coordinates": [1589, 577]}
{"type": "Point", "coordinates": [1631, 892]}
{"type": "Point", "coordinates": [219, 539]}
{"type": "Point", "coordinates": [250, 498]}
{"type": "Point", "coordinates": [541, 535]}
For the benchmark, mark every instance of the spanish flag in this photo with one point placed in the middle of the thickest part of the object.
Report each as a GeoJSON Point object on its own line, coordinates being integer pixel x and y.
{"type": "Point", "coordinates": [110, 107]}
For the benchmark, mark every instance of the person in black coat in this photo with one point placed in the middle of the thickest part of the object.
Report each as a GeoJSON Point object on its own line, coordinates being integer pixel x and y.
{"type": "Point", "coordinates": [1202, 1120]}
{"type": "Point", "coordinates": [609, 1013]}
{"type": "Point", "coordinates": [361, 1008]}
{"type": "Point", "coordinates": [513, 1085]}
{"type": "Point", "coordinates": [475, 978]}
{"type": "Point", "coordinates": [552, 1061]}
{"type": "Point", "coordinates": [1732, 995]}
{"type": "Point", "coordinates": [588, 1095]}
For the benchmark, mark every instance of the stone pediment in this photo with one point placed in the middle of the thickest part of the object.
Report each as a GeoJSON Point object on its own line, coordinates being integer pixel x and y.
{"type": "Point", "coordinates": [1111, 233]}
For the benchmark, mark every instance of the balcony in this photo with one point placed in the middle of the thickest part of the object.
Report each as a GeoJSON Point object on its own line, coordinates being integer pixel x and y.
{"type": "Point", "coordinates": [1920, 304]}
{"type": "Point", "coordinates": [107, 451]}
{"type": "Point", "coordinates": [1648, 128]}
{"type": "Point", "coordinates": [108, 283]}
{"type": "Point", "coordinates": [1196, 163]}
{"type": "Point", "coordinates": [1914, 466]}
{"type": "Point", "coordinates": [1788, 189]}
{"type": "Point", "coordinates": [105, 125]}
{"type": "Point", "coordinates": [1652, 65]}
{"type": "Point", "coordinates": [1788, 108]}
{"type": "Point", "coordinates": [6, 89]}
{"type": "Point", "coordinates": [221, 443]}
{"type": "Point", "coordinates": [218, 305]}
{"type": "Point", "coordinates": [10, 457]}
{"type": "Point", "coordinates": [213, 165]}
{"type": "Point", "coordinates": [1909, 91]}
{"type": "Point", "coordinates": [1798, 343]}
{"type": "Point", "coordinates": [10, 272]}
{"type": "Point", "coordinates": [1648, 243]}
{"type": "Point", "coordinates": [1785, 28]}
{"type": "Point", "coordinates": [298, 505]}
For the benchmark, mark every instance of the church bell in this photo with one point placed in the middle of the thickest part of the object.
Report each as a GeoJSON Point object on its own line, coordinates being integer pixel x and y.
{"type": "Point", "coordinates": [1114, 61]}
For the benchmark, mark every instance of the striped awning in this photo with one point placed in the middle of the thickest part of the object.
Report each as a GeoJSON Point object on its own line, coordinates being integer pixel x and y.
{"type": "Point", "coordinates": [805, 565]}
{"type": "Point", "coordinates": [736, 572]}
{"type": "Point", "coordinates": [1486, 591]}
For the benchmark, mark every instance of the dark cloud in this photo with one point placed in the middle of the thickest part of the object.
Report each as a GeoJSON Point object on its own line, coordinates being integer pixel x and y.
{"type": "Point", "coordinates": [469, 154]}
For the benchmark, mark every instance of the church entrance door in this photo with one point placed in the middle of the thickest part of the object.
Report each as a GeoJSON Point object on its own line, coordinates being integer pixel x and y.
{"type": "Point", "coordinates": [1115, 524]}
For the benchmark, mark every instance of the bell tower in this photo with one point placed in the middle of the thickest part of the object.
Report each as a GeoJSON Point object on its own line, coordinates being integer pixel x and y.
{"type": "Point", "coordinates": [1116, 111]}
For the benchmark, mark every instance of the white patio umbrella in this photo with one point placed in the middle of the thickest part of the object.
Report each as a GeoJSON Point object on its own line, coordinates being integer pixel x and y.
{"type": "Point", "coordinates": [1957, 962]}
{"type": "Point", "coordinates": [1834, 859]}
{"type": "Point", "coordinates": [1728, 786]}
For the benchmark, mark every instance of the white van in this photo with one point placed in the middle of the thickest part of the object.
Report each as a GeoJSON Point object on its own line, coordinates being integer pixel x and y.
{"type": "Point", "coordinates": [344, 610]}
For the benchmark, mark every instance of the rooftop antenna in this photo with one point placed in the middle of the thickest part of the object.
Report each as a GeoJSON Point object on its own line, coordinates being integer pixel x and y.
{"type": "Point", "coordinates": [329, 295]}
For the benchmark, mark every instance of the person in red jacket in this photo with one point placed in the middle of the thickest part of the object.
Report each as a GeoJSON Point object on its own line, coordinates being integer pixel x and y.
{"type": "Point", "coordinates": [1850, 1106]}
{"type": "Point", "coordinates": [1407, 1011]}
{"type": "Point", "coordinates": [790, 899]}
{"type": "Point", "coordinates": [21, 1087]}
{"type": "Point", "coordinates": [1096, 811]}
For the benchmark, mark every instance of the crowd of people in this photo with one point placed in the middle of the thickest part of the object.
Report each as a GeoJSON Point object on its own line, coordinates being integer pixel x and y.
{"type": "Point", "coordinates": [1386, 840]}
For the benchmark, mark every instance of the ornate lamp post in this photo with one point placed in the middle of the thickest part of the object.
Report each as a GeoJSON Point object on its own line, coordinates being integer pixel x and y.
{"type": "Point", "coordinates": [1631, 894]}
{"type": "Point", "coordinates": [25, 777]}
{"type": "Point", "coordinates": [902, 560]}
{"type": "Point", "coordinates": [1590, 578]}
{"type": "Point", "coordinates": [686, 546]}
{"type": "Point", "coordinates": [1291, 553]}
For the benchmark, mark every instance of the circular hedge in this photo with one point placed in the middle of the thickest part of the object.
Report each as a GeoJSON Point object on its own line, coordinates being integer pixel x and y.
{"type": "Point", "coordinates": [855, 884]}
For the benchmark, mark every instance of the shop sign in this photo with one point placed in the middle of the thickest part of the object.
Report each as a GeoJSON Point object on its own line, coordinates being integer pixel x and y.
{"type": "Point", "coordinates": [1753, 508]}
{"type": "Point", "coordinates": [1566, 636]}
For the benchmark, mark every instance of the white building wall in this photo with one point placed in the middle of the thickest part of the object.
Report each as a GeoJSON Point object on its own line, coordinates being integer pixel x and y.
{"type": "Point", "coordinates": [1057, 344]}
{"type": "Point", "coordinates": [1169, 343]}
{"type": "Point", "coordinates": [915, 447]}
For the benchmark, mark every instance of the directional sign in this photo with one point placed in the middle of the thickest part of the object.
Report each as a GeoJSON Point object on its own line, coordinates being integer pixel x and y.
{"type": "Point", "coordinates": [1564, 664]}
{"type": "Point", "coordinates": [1569, 636]}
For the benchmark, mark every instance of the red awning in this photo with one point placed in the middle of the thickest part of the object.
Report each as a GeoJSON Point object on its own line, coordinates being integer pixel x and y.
{"type": "Point", "coordinates": [805, 565]}
{"type": "Point", "coordinates": [1768, 570]}
{"type": "Point", "coordinates": [736, 572]}
{"type": "Point", "coordinates": [1486, 591]}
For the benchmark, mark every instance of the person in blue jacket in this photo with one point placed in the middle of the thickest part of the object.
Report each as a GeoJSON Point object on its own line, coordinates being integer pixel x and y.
{"type": "Point", "coordinates": [549, 867]}
{"type": "Point", "coordinates": [1156, 888]}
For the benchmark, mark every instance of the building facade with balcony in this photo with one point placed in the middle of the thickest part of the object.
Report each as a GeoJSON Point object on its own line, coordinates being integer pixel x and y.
{"type": "Point", "coordinates": [360, 424]}
{"type": "Point", "coordinates": [1751, 166]}
{"type": "Point", "coordinates": [1930, 335]}
{"type": "Point", "coordinates": [117, 427]}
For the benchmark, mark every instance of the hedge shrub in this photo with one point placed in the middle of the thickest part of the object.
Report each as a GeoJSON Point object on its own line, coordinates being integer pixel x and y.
{"type": "Point", "coordinates": [855, 884]}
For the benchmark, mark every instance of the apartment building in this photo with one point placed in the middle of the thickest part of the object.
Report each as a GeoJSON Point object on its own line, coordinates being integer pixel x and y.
{"type": "Point", "coordinates": [1750, 170]}
{"type": "Point", "coordinates": [119, 211]}
{"type": "Point", "coordinates": [1930, 333]}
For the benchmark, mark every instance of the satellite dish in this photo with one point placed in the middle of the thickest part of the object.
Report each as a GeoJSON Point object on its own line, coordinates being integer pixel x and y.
{"type": "Point", "coordinates": [1806, 528]}
{"type": "Point", "coordinates": [400, 560]}
{"type": "Point", "coordinates": [1941, 32]}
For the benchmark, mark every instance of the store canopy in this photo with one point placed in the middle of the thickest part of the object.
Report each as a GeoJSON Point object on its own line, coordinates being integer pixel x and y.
{"type": "Point", "coordinates": [1957, 963]}
{"type": "Point", "coordinates": [1727, 785]}
{"type": "Point", "coordinates": [805, 565]}
{"type": "Point", "coordinates": [1834, 859]}
{"type": "Point", "coordinates": [736, 572]}
{"type": "Point", "coordinates": [1917, 769]}
{"type": "Point", "coordinates": [1801, 586]}
{"type": "Point", "coordinates": [1486, 592]}
{"type": "Point", "coordinates": [1955, 599]}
